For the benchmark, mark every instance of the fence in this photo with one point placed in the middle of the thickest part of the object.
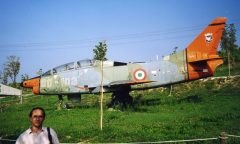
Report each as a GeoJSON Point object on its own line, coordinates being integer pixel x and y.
{"type": "Point", "coordinates": [223, 139]}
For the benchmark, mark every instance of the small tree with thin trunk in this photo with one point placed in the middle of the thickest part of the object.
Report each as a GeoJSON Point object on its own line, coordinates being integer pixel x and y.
{"type": "Point", "coordinates": [100, 54]}
{"type": "Point", "coordinates": [228, 45]}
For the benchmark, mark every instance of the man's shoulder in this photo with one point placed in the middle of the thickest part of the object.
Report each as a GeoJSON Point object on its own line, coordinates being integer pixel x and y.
{"type": "Point", "coordinates": [51, 130]}
{"type": "Point", "coordinates": [45, 128]}
{"type": "Point", "coordinates": [23, 136]}
{"type": "Point", "coordinates": [26, 132]}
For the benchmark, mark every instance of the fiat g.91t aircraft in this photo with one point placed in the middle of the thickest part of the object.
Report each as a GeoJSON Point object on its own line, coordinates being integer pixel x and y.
{"type": "Point", "coordinates": [198, 60]}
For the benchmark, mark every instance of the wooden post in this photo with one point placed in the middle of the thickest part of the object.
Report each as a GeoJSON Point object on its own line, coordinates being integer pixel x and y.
{"type": "Point", "coordinates": [101, 97]}
{"type": "Point", "coordinates": [170, 92]}
{"type": "Point", "coordinates": [229, 64]}
{"type": "Point", "coordinates": [1, 109]}
{"type": "Point", "coordinates": [223, 138]}
{"type": "Point", "coordinates": [47, 100]}
{"type": "Point", "coordinates": [21, 99]}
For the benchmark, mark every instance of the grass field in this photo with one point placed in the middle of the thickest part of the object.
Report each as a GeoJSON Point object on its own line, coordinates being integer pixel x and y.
{"type": "Point", "coordinates": [222, 70]}
{"type": "Point", "coordinates": [199, 109]}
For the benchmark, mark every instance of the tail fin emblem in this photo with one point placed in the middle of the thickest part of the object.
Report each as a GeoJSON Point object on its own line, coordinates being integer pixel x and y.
{"type": "Point", "coordinates": [208, 37]}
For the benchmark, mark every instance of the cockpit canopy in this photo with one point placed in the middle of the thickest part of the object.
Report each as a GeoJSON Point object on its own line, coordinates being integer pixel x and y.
{"type": "Point", "coordinates": [86, 63]}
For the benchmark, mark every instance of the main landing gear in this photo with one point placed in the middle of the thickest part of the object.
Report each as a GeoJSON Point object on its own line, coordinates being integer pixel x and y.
{"type": "Point", "coordinates": [121, 99]}
{"type": "Point", "coordinates": [75, 98]}
{"type": "Point", "coordinates": [61, 103]}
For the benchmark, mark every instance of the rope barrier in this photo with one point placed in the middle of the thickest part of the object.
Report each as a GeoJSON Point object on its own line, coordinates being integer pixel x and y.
{"type": "Point", "coordinates": [160, 142]}
{"type": "Point", "coordinates": [7, 140]}
{"type": "Point", "coordinates": [234, 136]}
{"type": "Point", "coordinates": [10, 140]}
{"type": "Point", "coordinates": [177, 141]}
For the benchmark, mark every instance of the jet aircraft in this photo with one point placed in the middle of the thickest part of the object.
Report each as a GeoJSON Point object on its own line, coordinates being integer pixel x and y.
{"type": "Point", "coordinates": [198, 60]}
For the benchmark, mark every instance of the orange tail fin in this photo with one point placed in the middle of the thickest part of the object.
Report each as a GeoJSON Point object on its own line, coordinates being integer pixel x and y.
{"type": "Point", "coordinates": [202, 55]}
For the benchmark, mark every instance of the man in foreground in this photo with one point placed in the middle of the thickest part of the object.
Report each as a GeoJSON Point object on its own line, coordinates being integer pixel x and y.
{"type": "Point", "coordinates": [37, 134]}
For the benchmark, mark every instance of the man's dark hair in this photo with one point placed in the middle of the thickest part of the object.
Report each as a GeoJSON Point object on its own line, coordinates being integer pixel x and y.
{"type": "Point", "coordinates": [39, 108]}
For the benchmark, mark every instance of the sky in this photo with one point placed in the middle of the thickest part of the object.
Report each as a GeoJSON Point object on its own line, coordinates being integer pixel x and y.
{"type": "Point", "coordinates": [48, 33]}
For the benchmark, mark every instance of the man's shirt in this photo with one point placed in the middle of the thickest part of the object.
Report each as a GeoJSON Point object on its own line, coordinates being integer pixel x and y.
{"type": "Point", "coordinates": [28, 137]}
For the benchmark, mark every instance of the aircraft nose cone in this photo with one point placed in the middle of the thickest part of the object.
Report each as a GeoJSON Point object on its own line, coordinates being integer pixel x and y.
{"type": "Point", "coordinates": [26, 84]}
{"type": "Point", "coordinates": [30, 83]}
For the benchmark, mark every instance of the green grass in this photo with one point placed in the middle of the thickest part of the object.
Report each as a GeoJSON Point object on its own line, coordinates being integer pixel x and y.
{"type": "Point", "coordinates": [197, 109]}
{"type": "Point", "coordinates": [223, 70]}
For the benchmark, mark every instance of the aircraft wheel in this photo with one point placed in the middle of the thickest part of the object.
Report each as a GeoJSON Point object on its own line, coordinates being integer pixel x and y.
{"type": "Point", "coordinates": [65, 106]}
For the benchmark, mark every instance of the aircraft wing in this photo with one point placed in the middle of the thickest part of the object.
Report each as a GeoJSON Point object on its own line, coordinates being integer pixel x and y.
{"type": "Point", "coordinates": [128, 82]}
{"type": "Point", "coordinates": [119, 83]}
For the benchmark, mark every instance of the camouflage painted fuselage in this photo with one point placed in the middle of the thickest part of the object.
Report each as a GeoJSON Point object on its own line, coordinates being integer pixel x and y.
{"type": "Point", "coordinates": [87, 78]}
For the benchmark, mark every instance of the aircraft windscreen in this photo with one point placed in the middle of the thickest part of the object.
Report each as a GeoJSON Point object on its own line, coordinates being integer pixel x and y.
{"type": "Point", "coordinates": [47, 73]}
{"type": "Point", "coordinates": [84, 63]}
{"type": "Point", "coordinates": [64, 67]}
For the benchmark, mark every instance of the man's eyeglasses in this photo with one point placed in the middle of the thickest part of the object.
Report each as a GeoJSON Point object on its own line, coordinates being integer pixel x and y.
{"type": "Point", "coordinates": [37, 117]}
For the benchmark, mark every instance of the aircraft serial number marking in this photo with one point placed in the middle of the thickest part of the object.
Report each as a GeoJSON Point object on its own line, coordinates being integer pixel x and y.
{"type": "Point", "coordinates": [64, 81]}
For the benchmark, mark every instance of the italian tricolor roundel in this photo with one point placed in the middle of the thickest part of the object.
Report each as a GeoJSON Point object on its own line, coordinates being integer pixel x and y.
{"type": "Point", "coordinates": [140, 74]}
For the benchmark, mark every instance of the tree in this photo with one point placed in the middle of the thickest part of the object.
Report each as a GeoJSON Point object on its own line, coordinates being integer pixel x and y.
{"type": "Point", "coordinates": [100, 54]}
{"type": "Point", "coordinates": [11, 68]}
{"type": "Point", "coordinates": [174, 50]}
{"type": "Point", "coordinates": [24, 77]}
{"type": "Point", "coordinates": [40, 72]}
{"type": "Point", "coordinates": [228, 46]}
{"type": "Point", "coordinates": [100, 51]}
{"type": "Point", "coordinates": [5, 77]}
{"type": "Point", "coordinates": [1, 76]}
